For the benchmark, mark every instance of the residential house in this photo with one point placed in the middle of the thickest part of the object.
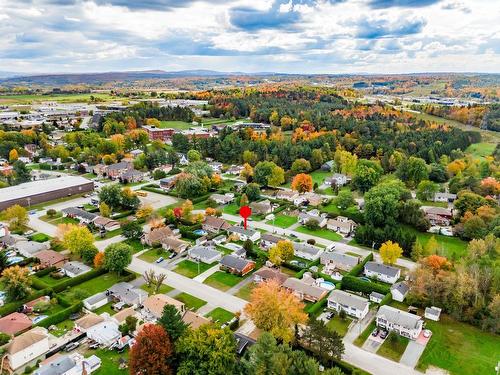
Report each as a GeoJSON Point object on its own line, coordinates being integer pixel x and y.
{"type": "Point", "coordinates": [343, 262]}
{"type": "Point", "coordinates": [342, 225]}
{"type": "Point", "coordinates": [222, 198]}
{"type": "Point", "coordinates": [216, 166]}
{"type": "Point", "coordinates": [403, 323]}
{"type": "Point", "coordinates": [234, 170]}
{"type": "Point", "coordinates": [127, 293]}
{"type": "Point", "coordinates": [304, 290]}
{"type": "Point", "coordinates": [328, 166]}
{"type": "Point", "coordinates": [194, 320]}
{"type": "Point", "coordinates": [51, 258]}
{"type": "Point", "coordinates": [168, 182]}
{"type": "Point", "coordinates": [135, 153]}
{"type": "Point", "coordinates": [266, 274]}
{"type": "Point", "coordinates": [382, 272]}
{"type": "Point", "coordinates": [432, 313]}
{"type": "Point", "coordinates": [244, 234]}
{"type": "Point", "coordinates": [376, 297]}
{"type": "Point", "coordinates": [287, 195]}
{"type": "Point", "coordinates": [399, 291]}
{"type": "Point", "coordinates": [268, 240]}
{"type": "Point", "coordinates": [82, 216]}
{"type": "Point", "coordinates": [88, 321]}
{"type": "Point", "coordinates": [14, 323]}
{"type": "Point", "coordinates": [75, 268]}
{"type": "Point", "coordinates": [205, 254]}
{"type": "Point", "coordinates": [213, 224]}
{"type": "Point", "coordinates": [236, 265]}
{"type": "Point", "coordinates": [29, 248]}
{"type": "Point", "coordinates": [27, 348]}
{"type": "Point", "coordinates": [305, 217]}
{"type": "Point", "coordinates": [243, 342]}
{"type": "Point", "coordinates": [106, 224]}
{"type": "Point", "coordinates": [115, 171]}
{"type": "Point", "coordinates": [444, 197]}
{"type": "Point", "coordinates": [219, 240]}
{"type": "Point", "coordinates": [351, 304]}
{"type": "Point", "coordinates": [155, 236]}
{"type": "Point", "coordinates": [174, 244]}
{"type": "Point", "coordinates": [131, 176]}
{"type": "Point", "coordinates": [307, 251]}
{"type": "Point", "coordinates": [105, 333]}
{"type": "Point", "coordinates": [97, 300]}
{"type": "Point", "coordinates": [69, 364]}
{"type": "Point", "coordinates": [261, 208]}
{"type": "Point", "coordinates": [153, 306]}
{"type": "Point", "coordinates": [439, 216]}
{"type": "Point", "coordinates": [338, 179]}
{"type": "Point", "coordinates": [309, 198]}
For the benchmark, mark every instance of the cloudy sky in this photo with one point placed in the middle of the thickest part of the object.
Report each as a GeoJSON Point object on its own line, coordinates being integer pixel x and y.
{"type": "Point", "coordinates": [295, 36]}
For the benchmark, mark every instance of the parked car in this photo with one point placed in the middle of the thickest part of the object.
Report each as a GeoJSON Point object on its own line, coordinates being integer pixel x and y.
{"type": "Point", "coordinates": [293, 235]}
{"type": "Point", "coordinates": [330, 315]}
{"type": "Point", "coordinates": [160, 259]}
{"type": "Point", "coordinates": [172, 256]}
{"type": "Point", "coordinates": [71, 346]}
{"type": "Point", "coordinates": [427, 333]}
{"type": "Point", "coordinates": [375, 332]}
{"type": "Point", "coordinates": [94, 345]}
{"type": "Point", "coordinates": [383, 334]}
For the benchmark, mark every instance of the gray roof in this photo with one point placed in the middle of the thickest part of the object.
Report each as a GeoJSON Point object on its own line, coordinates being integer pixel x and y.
{"type": "Point", "coordinates": [58, 366]}
{"type": "Point", "coordinates": [340, 258]}
{"type": "Point", "coordinates": [235, 262]}
{"type": "Point", "coordinates": [401, 288]}
{"type": "Point", "coordinates": [201, 251]}
{"type": "Point", "coordinates": [382, 269]}
{"type": "Point", "coordinates": [376, 295]}
{"type": "Point", "coordinates": [436, 311]}
{"type": "Point", "coordinates": [348, 299]}
{"type": "Point", "coordinates": [271, 238]}
{"type": "Point", "coordinates": [131, 173]}
{"type": "Point", "coordinates": [95, 298]}
{"type": "Point", "coordinates": [241, 230]}
{"type": "Point", "coordinates": [79, 212]}
{"type": "Point", "coordinates": [303, 287]}
{"type": "Point", "coordinates": [76, 267]}
{"type": "Point", "coordinates": [30, 247]}
{"type": "Point", "coordinates": [306, 248]}
{"type": "Point", "coordinates": [128, 293]}
{"type": "Point", "coordinates": [398, 317]}
{"type": "Point", "coordinates": [119, 166]}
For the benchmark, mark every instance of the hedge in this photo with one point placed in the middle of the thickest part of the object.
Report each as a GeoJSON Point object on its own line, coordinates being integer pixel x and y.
{"type": "Point", "coordinates": [79, 279]}
{"type": "Point", "coordinates": [154, 190]}
{"type": "Point", "coordinates": [60, 316]}
{"type": "Point", "coordinates": [357, 269]}
{"type": "Point", "coordinates": [386, 300]}
{"type": "Point", "coordinates": [122, 215]}
{"type": "Point", "coordinates": [38, 284]}
{"type": "Point", "coordinates": [14, 306]}
{"type": "Point", "coordinates": [317, 306]}
{"type": "Point", "coordinates": [45, 271]}
{"type": "Point", "coordinates": [355, 284]}
{"type": "Point", "coordinates": [27, 261]}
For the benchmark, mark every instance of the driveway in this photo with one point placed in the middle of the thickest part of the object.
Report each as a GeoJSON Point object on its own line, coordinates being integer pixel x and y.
{"type": "Point", "coordinates": [372, 344]}
{"type": "Point", "coordinates": [414, 350]}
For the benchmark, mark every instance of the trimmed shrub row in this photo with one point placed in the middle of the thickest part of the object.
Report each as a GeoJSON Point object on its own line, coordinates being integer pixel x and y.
{"type": "Point", "coordinates": [317, 306]}
{"type": "Point", "coordinates": [357, 269]}
{"type": "Point", "coordinates": [79, 279]}
{"type": "Point", "coordinates": [358, 285]}
{"type": "Point", "coordinates": [60, 316]}
{"type": "Point", "coordinates": [386, 300]}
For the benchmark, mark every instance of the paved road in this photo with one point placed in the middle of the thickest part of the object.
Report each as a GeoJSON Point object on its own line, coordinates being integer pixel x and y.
{"type": "Point", "coordinates": [213, 296]}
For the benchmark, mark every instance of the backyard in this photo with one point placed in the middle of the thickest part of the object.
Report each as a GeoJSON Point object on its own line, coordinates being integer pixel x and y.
{"type": "Point", "coordinates": [450, 247]}
{"type": "Point", "coordinates": [192, 269]}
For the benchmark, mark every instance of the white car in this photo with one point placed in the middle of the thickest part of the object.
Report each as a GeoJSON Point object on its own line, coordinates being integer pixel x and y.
{"type": "Point", "coordinates": [427, 333]}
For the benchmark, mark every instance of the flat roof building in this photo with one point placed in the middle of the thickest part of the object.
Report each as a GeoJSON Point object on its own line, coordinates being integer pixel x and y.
{"type": "Point", "coordinates": [40, 191]}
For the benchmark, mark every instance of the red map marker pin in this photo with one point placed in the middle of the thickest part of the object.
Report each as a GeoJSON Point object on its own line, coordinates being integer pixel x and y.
{"type": "Point", "coordinates": [245, 213]}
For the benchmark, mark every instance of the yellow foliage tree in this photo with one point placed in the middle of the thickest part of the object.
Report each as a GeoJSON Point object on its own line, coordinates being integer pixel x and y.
{"type": "Point", "coordinates": [104, 209]}
{"type": "Point", "coordinates": [144, 212]}
{"type": "Point", "coordinates": [77, 239]}
{"type": "Point", "coordinates": [390, 252]}
{"type": "Point", "coordinates": [13, 155]}
{"type": "Point", "coordinates": [281, 252]}
{"type": "Point", "coordinates": [302, 183]}
{"type": "Point", "coordinates": [275, 310]}
{"type": "Point", "coordinates": [16, 216]}
{"type": "Point", "coordinates": [247, 171]}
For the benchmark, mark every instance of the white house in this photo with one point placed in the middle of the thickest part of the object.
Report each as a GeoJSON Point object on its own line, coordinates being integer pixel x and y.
{"type": "Point", "coordinates": [222, 198]}
{"type": "Point", "coordinates": [307, 251]}
{"type": "Point", "coordinates": [305, 217]}
{"type": "Point", "coordinates": [338, 179]}
{"type": "Point", "coordinates": [376, 297]}
{"type": "Point", "coordinates": [105, 333]}
{"type": "Point", "coordinates": [97, 300]}
{"type": "Point", "coordinates": [244, 234]}
{"type": "Point", "coordinates": [69, 364]}
{"type": "Point", "coordinates": [205, 254]}
{"type": "Point", "coordinates": [401, 322]}
{"type": "Point", "coordinates": [382, 272]}
{"type": "Point", "coordinates": [432, 313]}
{"type": "Point", "coordinates": [27, 347]}
{"type": "Point", "coordinates": [399, 291]}
{"type": "Point", "coordinates": [352, 304]}
{"type": "Point", "coordinates": [341, 261]}
{"type": "Point", "coordinates": [342, 225]}
{"type": "Point", "coordinates": [75, 268]}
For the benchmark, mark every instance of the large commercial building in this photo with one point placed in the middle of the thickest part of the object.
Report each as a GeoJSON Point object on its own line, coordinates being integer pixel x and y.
{"type": "Point", "coordinates": [40, 191]}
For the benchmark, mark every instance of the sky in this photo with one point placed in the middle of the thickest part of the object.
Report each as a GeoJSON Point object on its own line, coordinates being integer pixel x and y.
{"type": "Point", "coordinates": [294, 36]}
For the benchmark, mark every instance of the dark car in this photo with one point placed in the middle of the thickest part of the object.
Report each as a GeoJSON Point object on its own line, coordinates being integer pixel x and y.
{"type": "Point", "coordinates": [74, 316]}
{"type": "Point", "coordinates": [330, 315]}
{"type": "Point", "coordinates": [375, 332]}
{"type": "Point", "coordinates": [172, 255]}
{"type": "Point", "coordinates": [383, 334]}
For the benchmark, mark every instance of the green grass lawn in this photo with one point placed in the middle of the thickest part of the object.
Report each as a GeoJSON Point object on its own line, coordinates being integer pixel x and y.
{"type": "Point", "coordinates": [190, 269]}
{"type": "Point", "coordinates": [319, 176]}
{"type": "Point", "coordinates": [222, 280]}
{"type": "Point", "coordinates": [283, 221]}
{"type": "Point", "coordinates": [360, 340]}
{"type": "Point", "coordinates": [481, 150]}
{"type": "Point", "coordinates": [63, 98]}
{"type": "Point", "coordinates": [163, 289]}
{"type": "Point", "coordinates": [65, 220]}
{"type": "Point", "coordinates": [110, 364]}
{"type": "Point", "coordinates": [40, 237]}
{"type": "Point", "coordinates": [191, 302]}
{"type": "Point", "coordinates": [109, 234]}
{"type": "Point", "coordinates": [323, 233]}
{"type": "Point", "coordinates": [152, 255]}
{"type": "Point", "coordinates": [63, 327]}
{"type": "Point", "coordinates": [96, 285]}
{"type": "Point", "coordinates": [450, 247]}
{"type": "Point", "coordinates": [106, 308]}
{"type": "Point", "coordinates": [50, 280]}
{"type": "Point", "coordinates": [220, 316]}
{"type": "Point", "coordinates": [460, 348]}
{"type": "Point", "coordinates": [339, 325]}
{"type": "Point", "coordinates": [231, 209]}
{"type": "Point", "coordinates": [135, 244]}
{"type": "Point", "coordinates": [393, 347]}
{"type": "Point", "coordinates": [245, 291]}
{"type": "Point", "coordinates": [181, 125]}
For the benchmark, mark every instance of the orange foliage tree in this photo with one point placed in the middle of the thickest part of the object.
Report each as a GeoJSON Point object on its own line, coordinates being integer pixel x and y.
{"type": "Point", "coordinates": [302, 183]}
{"type": "Point", "coordinates": [98, 259]}
{"type": "Point", "coordinates": [151, 352]}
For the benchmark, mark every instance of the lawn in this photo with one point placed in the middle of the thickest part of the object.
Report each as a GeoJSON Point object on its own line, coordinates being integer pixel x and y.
{"type": "Point", "coordinates": [50, 280]}
{"type": "Point", "coordinates": [190, 269]}
{"type": "Point", "coordinates": [481, 150]}
{"type": "Point", "coordinates": [106, 308]}
{"type": "Point", "coordinates": [163, 289]}
{"type": "Point", "coordinates": [181, 125]}
{"type": "Point", "coordinates": [231, 209]}
{"type": "Point", "coordinates": [245, 291]}
{"type": "Point", "coordinates": [66, 98]}
{"type": "Point", "coordinates": [283, 221]}
{"type": "Point", "coordinates": [110, 364]}
{"type": "Point", "coordinates": [96, 285]}
{"type": "Point", "coordinates": [319, 176]}
{"type": "Point", "coordinates": [339, 325]}
{"type": "Point", "coordinates": [360, 340]}
{"type": "Point", "coordinates": [450, 247]}
{"type": "Point", "coordinates": [393, 347]}
{"type": "Point", "coordinates": [63, 327]}
{"type": "Point", "coordinates": [136, 245]}
{"type": "Point", "coordinates": [219, 315]}
{"type": "Point", "coordinates": [460, 348]}
{"type": "Point", "coordinates": [40, 237]}
{"type": "Point", "coordinates": [323, 233]}
{"type": "Point", "coordinates": [223, 280]}
{"type": "Point", "coordinates": [191, 302]}
{"type": "Point", "coordinates": [153, 254]}
{"type": "Point", "coordinates": [109, 234]}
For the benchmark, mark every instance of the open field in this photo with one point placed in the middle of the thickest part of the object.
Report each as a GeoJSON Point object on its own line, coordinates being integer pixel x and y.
{"type": "Point", "coordinates": [181, 125]}
{"type": "Point", "coordinates": [62, 98]}
{"type": "Point", "coordinates": [481, 150]}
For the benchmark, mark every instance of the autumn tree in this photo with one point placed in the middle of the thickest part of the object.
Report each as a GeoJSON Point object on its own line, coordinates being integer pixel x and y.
{"type": "Point", "coordinates": [207, 350]}
{"type": "Point", "coordinates": [275, 310]}
{"type": "Point", "coordinates": [17, 282]}
{"type": "Point", "coordinates": [431, 247]}
{"type": "Point", "coordinates": [16, 217]}
{"type": "Point", "coordinates": [390, 252]}
{"type": "Point", "coordinates": [302, 183]}
{"type": "Point", "coordinates": [281, 252]}
{"type": "Point", "coordinates": [13, 155]}
{"type": "Point", "coordinates": [246, 172]}
{"type": "Point", "coordinates": [151, 352]}
{"type": "Point", "coordinates": [144, 212]}
{"type": "Point", "coordinates": [99, 260]}
{"type": "Point", "coordinates": [77, 238]}
{"type": "Point", "coordinates": [117, 257]}
{"type": "Point", "coordinates": [104, 209]}
{"type": "Point", "coordinates": [171, 321]}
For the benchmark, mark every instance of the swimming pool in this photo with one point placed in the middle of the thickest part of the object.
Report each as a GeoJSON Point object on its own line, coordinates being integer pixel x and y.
{"type": "Point", "coordinates": [327, 285]}
{"type": "Point", "coordinates": [13, 260]}
{"type": "Point", "coordinates": [200, 232]}
{"type": "Point", "coordinates": [39, 318]}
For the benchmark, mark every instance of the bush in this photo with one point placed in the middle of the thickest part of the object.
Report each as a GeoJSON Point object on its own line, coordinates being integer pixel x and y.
{"type": "Point", "coordinates": [357, 269]}
{"type": "Point", "coordinates": [4, 338]}
{"type": "Point", "coordinates": [358, 285]}
{"type": "Point", "coordinates": [386, 300]}
{"type": "Point", "coordinates": [315, 308]}
{"type": "Point", "coordinates": [45, 271]}
{"type": "Point", "coordinates": [38, 284]}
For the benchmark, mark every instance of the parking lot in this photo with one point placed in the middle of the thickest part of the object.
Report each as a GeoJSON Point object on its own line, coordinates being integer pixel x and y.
{"type": "Point", "coordinates": [156, 200]}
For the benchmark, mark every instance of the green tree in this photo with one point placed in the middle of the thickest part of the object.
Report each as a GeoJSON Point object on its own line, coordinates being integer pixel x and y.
{"type": "Point", "coordinates": [412, 171]}
{"type": "Point", "coordinates": [117, 257]}
{"type": "Point", "coordinates": [382, 203]}
{"type": "Point", "coordinates": [266, 173]}
{"type": "Point", "coordinates": [366, 175]}
{"type": "Point", "coordinates": [88, 254]}
{"type": "Point", "coordinates": [21, 172]}
{"type": "Point", "coordinates": [207, 351]}
{"type": "Point", "coordinates": [253, 192]}
{"type": "Point", "coordinates": [111, 195]}
{"type": "Point", "coordinates": [426, 190]}
{"type": "Point", "coordinates": [324, 342]}
{"type": "Point", "coordinates": [16, 217]}
{"type": "Point", "coordinates": [171, 321]}
{"type": "Point", "coordinates": [131, 229]}
{"type": "Point", "coordinates": [344, 199]}
{"type": "Point", "coordinates": [300, 166]}
{"type": "Point", "coordinates": [193, 155]}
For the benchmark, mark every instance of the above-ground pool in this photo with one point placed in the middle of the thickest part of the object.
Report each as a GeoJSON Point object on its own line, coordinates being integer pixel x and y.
{"type": "Point", "coordinates": [200, 232]}
{"type": "Point", "coordinates": [327, 285]}
{"type": "Point", "coordinates": [39, 318]}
